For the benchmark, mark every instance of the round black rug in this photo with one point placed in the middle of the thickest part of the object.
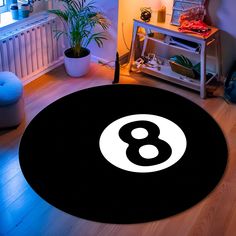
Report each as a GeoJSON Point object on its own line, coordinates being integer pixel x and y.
{"type": "Point", "coordinates": [123, 154]}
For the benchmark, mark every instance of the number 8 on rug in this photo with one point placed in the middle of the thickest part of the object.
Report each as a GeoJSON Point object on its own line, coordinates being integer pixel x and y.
{"type": "Point", "coordinates": [142, 143]}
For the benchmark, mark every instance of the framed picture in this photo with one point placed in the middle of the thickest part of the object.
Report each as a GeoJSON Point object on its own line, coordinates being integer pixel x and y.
{"type": "Point", "coordinates": [182, 6]}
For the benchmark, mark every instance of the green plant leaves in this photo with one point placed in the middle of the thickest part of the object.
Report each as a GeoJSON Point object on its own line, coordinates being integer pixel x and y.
{"type": "Point", "coordinates": [80, 19]}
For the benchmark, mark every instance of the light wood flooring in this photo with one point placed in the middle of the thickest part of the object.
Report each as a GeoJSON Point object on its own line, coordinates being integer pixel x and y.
{"type": "Point", "coordinates": [23, 212]}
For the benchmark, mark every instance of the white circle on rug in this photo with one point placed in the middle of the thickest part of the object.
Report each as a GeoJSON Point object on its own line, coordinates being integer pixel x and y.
{"type": "Point", "coordinates": [113, 148]}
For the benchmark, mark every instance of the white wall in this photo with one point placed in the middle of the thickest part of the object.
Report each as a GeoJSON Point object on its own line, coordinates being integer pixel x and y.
{"type": "Point", "coordinates": [222, 14]}
{"type": "Point", "coordinates": [108, 51]}
{"type": "Point", "coordinates": [40, 6]}
{"type": "Point", "coordinates": [129, 9]}
{"type": "Point", "coordinates": [168, 4]}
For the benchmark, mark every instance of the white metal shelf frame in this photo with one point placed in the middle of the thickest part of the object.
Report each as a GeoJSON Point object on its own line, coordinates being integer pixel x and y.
{"type": "Point", "coordinates": [171, 30]}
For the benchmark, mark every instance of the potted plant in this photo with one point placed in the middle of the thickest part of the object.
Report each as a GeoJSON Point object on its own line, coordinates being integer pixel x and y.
{"type": "Point", "coordinates": [80, 18]}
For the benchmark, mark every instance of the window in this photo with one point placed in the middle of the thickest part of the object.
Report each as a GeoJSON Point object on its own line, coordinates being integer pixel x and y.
{"type": "Point", "coordinates": [4, 4]}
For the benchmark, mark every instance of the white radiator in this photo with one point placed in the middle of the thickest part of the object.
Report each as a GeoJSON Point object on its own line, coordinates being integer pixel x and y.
{"type": "Point", "coordinates": [30, 49]}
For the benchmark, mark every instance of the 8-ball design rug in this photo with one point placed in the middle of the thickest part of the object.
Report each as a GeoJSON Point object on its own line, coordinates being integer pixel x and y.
{"type": "Point", "coordinates": [123, 154]}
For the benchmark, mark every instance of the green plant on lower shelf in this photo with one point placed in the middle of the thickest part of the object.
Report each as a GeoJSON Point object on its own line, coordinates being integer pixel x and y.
{"type": "Point", "coordinates": [182, 60]}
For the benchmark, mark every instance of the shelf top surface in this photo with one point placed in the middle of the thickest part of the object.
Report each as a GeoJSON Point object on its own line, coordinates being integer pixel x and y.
{"type": "Point", "coordinates": [169, 27]}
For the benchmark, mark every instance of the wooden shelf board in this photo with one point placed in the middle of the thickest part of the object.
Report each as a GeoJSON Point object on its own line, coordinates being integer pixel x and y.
{"type": "Point", "coordinates": [167, 74]}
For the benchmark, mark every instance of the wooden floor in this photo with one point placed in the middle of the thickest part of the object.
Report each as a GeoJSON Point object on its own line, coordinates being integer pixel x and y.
{"type": "Point", "coordinates": [23, 212]}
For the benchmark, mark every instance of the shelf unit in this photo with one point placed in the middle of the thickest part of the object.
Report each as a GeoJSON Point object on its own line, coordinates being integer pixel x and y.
{"type": "Point", "coordinates": [164, 71]}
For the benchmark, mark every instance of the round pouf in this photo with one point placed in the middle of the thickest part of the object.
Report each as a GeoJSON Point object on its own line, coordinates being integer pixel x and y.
{"type": "Point", "coordinates": [11, 100]}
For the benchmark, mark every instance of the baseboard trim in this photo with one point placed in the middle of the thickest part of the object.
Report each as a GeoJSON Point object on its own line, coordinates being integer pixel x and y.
{"type": "Point", "coordinates": [103, 61]}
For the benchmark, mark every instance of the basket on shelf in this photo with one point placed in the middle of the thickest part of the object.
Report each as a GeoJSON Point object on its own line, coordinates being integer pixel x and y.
{"type": "Point", "coordinates": [180, 69]}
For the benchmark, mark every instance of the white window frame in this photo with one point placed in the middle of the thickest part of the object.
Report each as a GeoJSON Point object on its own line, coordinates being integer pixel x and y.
{"type": "Point", "coordinates": [5, 7]}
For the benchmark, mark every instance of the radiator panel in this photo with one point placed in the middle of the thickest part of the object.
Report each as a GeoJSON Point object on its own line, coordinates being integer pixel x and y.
{"type": "Point", "coordinates": [31, 50]}
{"type": "Point", "coordinates": [11, 55]}
{"type": "Point", "coordinates": [5, 65]}
{"type": "Point", "coordinates": [34, 50]}
{"type": "Point", "coordinates": [17, 56]}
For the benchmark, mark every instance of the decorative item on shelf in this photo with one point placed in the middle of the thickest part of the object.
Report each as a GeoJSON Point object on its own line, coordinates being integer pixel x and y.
{"type": "Point", "coordinates": [195, 9]}
{"type": "Point", "coordinates": [195, 27]}
{"type": "Point", "coordinates": [161, 14]}
{"type": "Point", "coordinates": [81, 17]}
{"type": "Point", "coordinates": [194, 13]}
{"type": "Point", "coordinates": [152, 60]}
{"type": "Point", "coordinates": [14, 9]}
{"type": "Point", "coordinates": [192, 21]}
{"type": "Point", "coordinates": [14, 12]}
{"type": "Point", "coordinates": [146, 14]}
{"type": "Point", "coordinates": [139, 62]}
{"type": "Point", "coordinates": [31, 5]}
{"type": "Point", "coordinates": [24, 10]}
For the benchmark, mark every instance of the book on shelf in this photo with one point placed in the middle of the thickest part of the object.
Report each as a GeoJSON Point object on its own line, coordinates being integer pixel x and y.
{"type": "Point", "coordinates": [191, 46]}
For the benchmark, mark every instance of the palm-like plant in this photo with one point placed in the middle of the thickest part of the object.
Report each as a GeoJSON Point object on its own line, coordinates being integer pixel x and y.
{"type": "Point", "coordinates": [80, 18]}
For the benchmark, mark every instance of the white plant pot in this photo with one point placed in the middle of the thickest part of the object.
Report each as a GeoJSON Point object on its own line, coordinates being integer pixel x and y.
{"type": "Point", "coordinates": [77, 67]}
